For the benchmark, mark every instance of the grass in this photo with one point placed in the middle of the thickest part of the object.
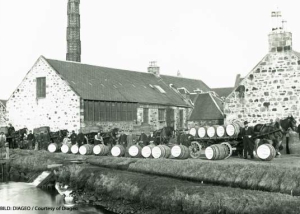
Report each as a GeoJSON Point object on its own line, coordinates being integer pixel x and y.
{"type": "Point", "coordinates": [281, 175]}
{"type": "Point", "coordinates": [174, 195]}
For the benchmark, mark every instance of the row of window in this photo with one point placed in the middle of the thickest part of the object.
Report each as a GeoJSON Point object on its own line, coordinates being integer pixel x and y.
{"type": "Point", "coordinates": [109, 111]}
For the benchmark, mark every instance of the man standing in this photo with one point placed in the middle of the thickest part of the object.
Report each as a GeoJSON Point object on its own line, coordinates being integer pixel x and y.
{"type": "Point", "coordinates": [123, 139]}
{"type": "Point", "coordinates": [30, 138]}
{"type": "Point", "coordinates": [73, 137]}
{"type": "Point", "coordinates": [10, 136]}
{"type": "Point", "coordinates": [2, 144]}
{"type": "Point", "coordinates": [80, 138]}
{"type": "Point", "coordinates": [98, 139]}
{"type": "Point", "coordinates": [248, 142]}
{"type": "Point", "coordinates": [287, 139]}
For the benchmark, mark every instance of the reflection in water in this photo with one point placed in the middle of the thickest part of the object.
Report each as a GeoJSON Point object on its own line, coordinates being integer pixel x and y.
{"type": "Point", "coordinates": [24, 195]}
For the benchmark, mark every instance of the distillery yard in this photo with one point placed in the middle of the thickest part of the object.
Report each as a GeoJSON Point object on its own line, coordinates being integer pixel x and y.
{"type": "Point", "coordinates": [136, 185]}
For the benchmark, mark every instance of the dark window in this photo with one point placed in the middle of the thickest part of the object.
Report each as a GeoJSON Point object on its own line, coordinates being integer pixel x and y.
{"type": "Point", "coordinates": [161, 114]}
{"type": "Point", "coordinates": [181, 118]}
{"type": "Point", "coordinates": [146, 115]}
{"type": "Point", "coordinates": [41, 87]}
{"type": "Point", "coordinates": [279, 49]}
{"type": "Point", "coordinates": [109, 111]}
{"type": "Point", "coordinates": [102, 111]}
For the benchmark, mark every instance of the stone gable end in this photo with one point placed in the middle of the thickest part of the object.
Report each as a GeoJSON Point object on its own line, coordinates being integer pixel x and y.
{"type": "Point", "coordinates": [269, 91]}
{"type": "Point", "coordinates": [60, 109]}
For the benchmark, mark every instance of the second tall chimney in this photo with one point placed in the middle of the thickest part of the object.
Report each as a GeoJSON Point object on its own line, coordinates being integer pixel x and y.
{"type": "Point", "coordinates": [73, 32]}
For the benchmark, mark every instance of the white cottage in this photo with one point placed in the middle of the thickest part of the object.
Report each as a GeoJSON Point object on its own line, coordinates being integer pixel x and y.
{"type": "Point", "coordinates": [71, 95]}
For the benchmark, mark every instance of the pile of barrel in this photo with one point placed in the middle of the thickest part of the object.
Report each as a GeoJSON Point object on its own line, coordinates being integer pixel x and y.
{"type": "Point", "coordinates": [135, 151]}
{"type": "Point", "coordinates": [218, 131]}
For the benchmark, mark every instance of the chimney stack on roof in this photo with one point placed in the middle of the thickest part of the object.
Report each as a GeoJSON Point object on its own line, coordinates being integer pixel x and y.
{"type": "Point", "coordinates": [280, 39]}
{"type": "Point", "coordinates": [73, 32]}
{"type": "Point", "coordinates": [153, 68]}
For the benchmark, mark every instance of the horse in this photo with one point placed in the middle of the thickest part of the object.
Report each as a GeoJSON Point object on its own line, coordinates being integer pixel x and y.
{"type": "Point", "coordinates": [164, 135]}
{"type": "Point", "coordinates": [275, 137]}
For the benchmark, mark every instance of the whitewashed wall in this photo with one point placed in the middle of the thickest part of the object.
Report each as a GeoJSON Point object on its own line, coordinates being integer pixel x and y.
{"type": "Point", "coordinates": [59, 110]}
{"type": "Point", "coordinates": [3, 118]}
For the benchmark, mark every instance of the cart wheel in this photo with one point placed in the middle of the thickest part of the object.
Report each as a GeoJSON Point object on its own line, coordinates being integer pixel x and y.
{"type": "Point", "coordinates": [195, 149]}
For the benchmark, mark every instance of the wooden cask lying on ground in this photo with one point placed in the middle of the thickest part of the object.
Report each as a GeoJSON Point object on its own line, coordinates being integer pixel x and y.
{"type": "Point", "coordinates": [101, 150]}
{"type": "Point", "coordinates": [218, 151]}
{"type": "Point", "coordinates": [53, 147]}
{"type": "Point", "coordinates": [266, 152]}
{"type": "Point", "coordinates": [161, 151]}
{"type": "Point", "coordinates": [86, 149]}
{"type": "Point", "coordinates": [74, 149]}
{"type": "Point", "coordinates": [66, 148]}
{"type": "Point", "coordinates": [147, 151]}
{"type": "Point", "coordinates": [118, 151]}
{"type": "Point", "coordinates": [135, 151]}
{"type": "Point", "coordinates": [180, 152]}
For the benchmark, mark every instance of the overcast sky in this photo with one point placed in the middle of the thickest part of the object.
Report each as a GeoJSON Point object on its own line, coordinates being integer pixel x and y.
{"type": "Point", "coordinates": [209, 40]}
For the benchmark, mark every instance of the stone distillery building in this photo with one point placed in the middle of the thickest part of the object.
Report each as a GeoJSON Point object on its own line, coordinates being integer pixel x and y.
{"type": "Point", "coordinates": [272, 88]}
{"type": "Point", "coordinates": [71, 95]}
{"type": "Point", "coordinates": [3, 118]}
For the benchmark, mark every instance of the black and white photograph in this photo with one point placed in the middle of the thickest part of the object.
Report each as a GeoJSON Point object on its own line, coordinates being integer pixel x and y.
{"type": "Point", "coordinates": [149, 107]}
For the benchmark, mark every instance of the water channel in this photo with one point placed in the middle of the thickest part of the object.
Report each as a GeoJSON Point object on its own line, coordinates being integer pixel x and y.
{"type": "Point", "coordinates": [15, 196]}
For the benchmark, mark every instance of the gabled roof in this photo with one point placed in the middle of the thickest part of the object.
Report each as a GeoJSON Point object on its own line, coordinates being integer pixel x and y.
{"type": "Point", "coordinates": [100, 83]}
{"type": "Point", "coordinates": [189, 84]}
{"type": "Point", "coordinates": [207, 107]}
{"type": "Point", "coordinates": [3, 102]}
{"type": "Point", "coordinates": [223, 92]}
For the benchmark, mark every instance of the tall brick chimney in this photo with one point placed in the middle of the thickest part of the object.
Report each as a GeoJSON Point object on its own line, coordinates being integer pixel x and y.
{"type": "Point", "coordinates": [73, 32]}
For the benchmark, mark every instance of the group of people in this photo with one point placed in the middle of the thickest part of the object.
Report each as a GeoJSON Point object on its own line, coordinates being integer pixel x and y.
{"type": "Point", "coordinates": [248, 136]}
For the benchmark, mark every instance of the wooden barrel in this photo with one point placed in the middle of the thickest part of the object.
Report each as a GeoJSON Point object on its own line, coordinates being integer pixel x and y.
{"type": "Point", "coordinates": [202, 132]}
{"type": "Point", "coordinates": [147, 151]}
{"type": "Point", "coordinates": [101, 150]}
{"type": "Point", "coordinates": [233, 129]}
{"type": "Point", "coordinates": [221, 131]}
{"type": "Point", "coordinates": [53, 147]}
{"type": "Point", "coordinates": [135, 151]}
{"type": "Point", "coordinates": [266, 152]}
{"type": "Point", "coordinates": [216, 152]}
{"type": "Point", "coordinates": [195, 149]}
{"type": "Point", "coordinates": [74, 149]}
{"type": "Point", "coordinates": [66, 148]}
{"type": "Point", "coordinates": [86, 149]}
{"type": "Point", "coordinates": [180, 152]}
{"type": "Point", "coordinates": [161, 151]}
{"type": "Point", "coordinates": [211, 131]}
{"type": "Point", "coordinates": [118, 151]}
{"type": "Point", "coordinates": [193, 132]}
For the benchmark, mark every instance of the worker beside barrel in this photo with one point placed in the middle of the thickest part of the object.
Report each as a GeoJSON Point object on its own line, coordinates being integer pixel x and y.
{"type": "Point", "coordinates": [247, 134]}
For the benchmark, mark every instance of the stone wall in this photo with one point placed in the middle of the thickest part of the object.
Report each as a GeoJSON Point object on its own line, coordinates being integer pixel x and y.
{"type": "Point", "coordinates": [60, 109]}
{"type": "Point", "coordinates": [3, 118]}
{"type": "Point", "coordinates": [270, 90]}
{"type": "Point", "coordinates": [153, 119]}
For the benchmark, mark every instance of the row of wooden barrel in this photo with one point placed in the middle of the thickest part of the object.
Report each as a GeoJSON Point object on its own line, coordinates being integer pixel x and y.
{"type": "Point", "coordinates": [150, 151]}
{"type": "Point", "coordinates": [231, 130]}
{"type": "Point", "coordinates": [214, 152]}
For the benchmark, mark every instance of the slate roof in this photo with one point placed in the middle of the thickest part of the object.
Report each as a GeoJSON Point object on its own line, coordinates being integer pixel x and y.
{"type": "Point", "coordinates": [207, 107]}
{"type": "Point", "coordinates": [100, 83]}
{"type": "Point", "coordinates": [223, 92]}
{"type": "Point", "coordinates": [3, 102]}
{"type": "Point", "coordinates": [189, 84]}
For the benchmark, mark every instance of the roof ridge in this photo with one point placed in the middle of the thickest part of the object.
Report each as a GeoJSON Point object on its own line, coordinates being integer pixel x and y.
{"type": "Point", "coordinates": [183, 78]}
{"type": "Point", "coordinates": [78, 63]}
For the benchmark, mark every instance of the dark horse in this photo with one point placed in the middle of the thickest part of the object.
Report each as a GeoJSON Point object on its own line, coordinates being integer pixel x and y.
{"type": "Point", "coordinates": [275, 137]}
{"type": "Point", "coordinates": [164, 135]}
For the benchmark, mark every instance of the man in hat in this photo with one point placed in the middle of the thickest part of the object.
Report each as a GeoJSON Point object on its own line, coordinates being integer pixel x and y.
{"type": "Point", "coordinates": [247, 134]}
